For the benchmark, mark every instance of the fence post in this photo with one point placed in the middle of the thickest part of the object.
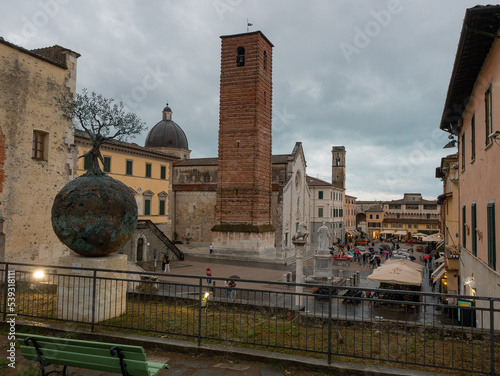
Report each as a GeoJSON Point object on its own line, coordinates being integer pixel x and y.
{"type": "Point", "coordinates": [199, 312]}
{"type": "Point", "coordinates": [5, 292]}
{"type": "Point", "coordinates": [329, 326]}
{"type": "Point", "coordinates": [94, 280]}
{"type": "Point", "coordinates": [492, 337]}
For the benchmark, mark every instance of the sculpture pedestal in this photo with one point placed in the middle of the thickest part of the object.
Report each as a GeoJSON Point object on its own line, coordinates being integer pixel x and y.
{"type": "Point", "coordinates": [81, 297]}
{"type": "Point", "coordinates": [322, 266]}
{"type": "Point", "coordinates": [299, 271]}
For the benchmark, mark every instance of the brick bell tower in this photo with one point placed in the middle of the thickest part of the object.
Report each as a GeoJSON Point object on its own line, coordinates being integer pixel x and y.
{"type": "Point", "coordinates": [338, 166]}
{"type": "Point", "coordinates": [243, 207]}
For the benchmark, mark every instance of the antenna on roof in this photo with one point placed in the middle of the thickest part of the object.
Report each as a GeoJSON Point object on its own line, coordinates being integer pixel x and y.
{"type": "Point", "coordinates": [248, 25]}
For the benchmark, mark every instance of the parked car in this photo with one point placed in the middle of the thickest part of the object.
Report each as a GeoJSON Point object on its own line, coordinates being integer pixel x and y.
{"type": "Point", "coordinates": [345, 257]}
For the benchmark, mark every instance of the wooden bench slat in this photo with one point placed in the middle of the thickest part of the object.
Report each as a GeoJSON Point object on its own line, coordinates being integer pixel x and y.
{"type": "Point", "coordinates": [107, 364]}
{"type": "Point", "coordinates": [79, 342]}
{"type": "Point", "coordinates": [88, 350]}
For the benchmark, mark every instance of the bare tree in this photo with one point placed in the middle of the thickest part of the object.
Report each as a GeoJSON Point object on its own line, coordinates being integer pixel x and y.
{"type": "Point", "coordinates": [103, 120]}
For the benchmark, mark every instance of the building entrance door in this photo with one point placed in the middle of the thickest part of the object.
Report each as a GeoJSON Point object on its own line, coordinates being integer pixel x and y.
{"type": "Point", "coordinates": [140, 249]}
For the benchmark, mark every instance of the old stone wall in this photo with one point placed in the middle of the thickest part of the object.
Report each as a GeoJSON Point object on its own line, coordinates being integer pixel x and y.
{"type": "Point", "coordinates": [195, 215]}
{"type": "Point", "coordinates": [30, 85]}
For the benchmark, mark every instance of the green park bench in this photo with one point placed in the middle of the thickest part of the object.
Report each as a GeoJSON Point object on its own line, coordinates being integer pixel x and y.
{"type": "Point", "coordinates": [101, 356]}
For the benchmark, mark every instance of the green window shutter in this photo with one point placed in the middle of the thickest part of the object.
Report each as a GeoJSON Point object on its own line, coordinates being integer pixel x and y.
{"type": "Point", "coordinates": [148, 170]}
{"type": "Point", "coordinates": [129, 168]}
{"type": "Point", "coordinates": [147, 207]}
{"type": "Point", "coordinates": [162, 207]}
{"type": "Point", "coordinates": [86, 162]}
{"type": "Point", "coordinates": [320, 212]}
{"type": "Point", "coordinates": [320, 195]}
{"type": "Point", "coordinates": [163, 172]}
{"type": "Point", "coordinates": [464, 228]}
{"type": "Point", "coordinates": [474, 225]}
{"type": "Point", "coordinates": [107, 164]}
{"type": "Point", "coordinates": [492, 249]}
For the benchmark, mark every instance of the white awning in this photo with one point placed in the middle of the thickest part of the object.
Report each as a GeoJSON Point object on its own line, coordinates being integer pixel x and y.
{"type": "Point", "coordinates": [401, 232]}
{"type": "Point", "coordinates": [438, 273]}
{"type": "Point", "coordinates": [387, 232]}
{"type": "Point", "coordinates": [439, 260]}
{"type": "Point", "coordinates": [432, 238]}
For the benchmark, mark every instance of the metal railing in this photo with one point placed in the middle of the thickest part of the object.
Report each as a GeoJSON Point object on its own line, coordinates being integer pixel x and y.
{"type": "Point", "coordinates": [335, 323]}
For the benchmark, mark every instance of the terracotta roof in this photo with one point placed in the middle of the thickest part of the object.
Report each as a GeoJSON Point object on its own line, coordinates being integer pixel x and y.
{"type": "Point", "coordinates": [133, 146]}
{"type": "Point", "coordinates": [413, 221]}
{"type": "Point", "coordinates": [195, 187]}
{"type": "Point", "coordinates": [479, 31]}
{"type": "Point", "coordinates": [314, 182]}
{"type": "Point", "coordinates": [276, 159]}
{"type": "Point", "coordinates": [415, 202]}
{"type": "Point", "coordinates": [198, 162]}
{"type": "Point", "coordinates": [53, 55]}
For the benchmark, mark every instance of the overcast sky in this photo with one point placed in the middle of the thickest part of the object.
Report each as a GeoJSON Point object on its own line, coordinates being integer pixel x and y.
{"type": "Point", "coordinates": [368, 75]}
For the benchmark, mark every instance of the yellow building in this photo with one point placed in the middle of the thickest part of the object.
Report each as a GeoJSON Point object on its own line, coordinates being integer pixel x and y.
{"type": "Point", "coordinates": [148, 173]}
{"type": "Point", "coordinates": [410, 215]}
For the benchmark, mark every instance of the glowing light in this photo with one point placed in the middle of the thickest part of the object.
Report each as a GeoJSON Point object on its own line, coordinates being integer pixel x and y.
{"type": "Point", "coordinates": [39, 274]}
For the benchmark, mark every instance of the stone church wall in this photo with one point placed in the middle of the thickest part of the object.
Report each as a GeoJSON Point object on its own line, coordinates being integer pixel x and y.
{"type": "Point", "coordinates": [195, 215]}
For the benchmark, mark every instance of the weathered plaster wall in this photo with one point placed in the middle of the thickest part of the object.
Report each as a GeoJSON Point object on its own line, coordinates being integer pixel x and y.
{"type": "Point", "coordinates": [29, 86]}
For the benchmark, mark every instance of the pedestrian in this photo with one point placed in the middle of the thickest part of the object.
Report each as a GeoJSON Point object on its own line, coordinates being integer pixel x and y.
{"type": "Point", "coordinates": [163, 263]}
{"type": "Point", "coordinates": [378, 262]}
{"type": "Point", "coordinates": [226, 289]}
{"type": "Point", "coordinates": [209, 276]}
{"type": "Point", "coordinates": [232, 291]}
{"type": "Point", "coordinates": [167, 264]}
{"type": "Point", "coordinates": [211, 249]}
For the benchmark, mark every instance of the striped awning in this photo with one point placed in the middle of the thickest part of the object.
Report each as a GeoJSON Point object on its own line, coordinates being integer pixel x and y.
{"type": "Point", "coordinates": [438, 273]}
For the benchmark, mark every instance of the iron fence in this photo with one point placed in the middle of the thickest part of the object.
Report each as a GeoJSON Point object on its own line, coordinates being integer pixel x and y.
{"type": "Point", "coordinates": [333, 322]}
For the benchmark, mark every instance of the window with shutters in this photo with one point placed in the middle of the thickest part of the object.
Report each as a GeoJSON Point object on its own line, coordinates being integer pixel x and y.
{"type": "Point", "coordinates": [320, 212]}
{"type": "Point", "coordinates": [492, 249]}
{"type": "Point", "coordinates": [464, 228]}
{"type": "Point", "coordinates": [488, 104]}
{"type": "Point", "coordinates": [128, 167]}
{"type": "Point", "coordinates": [320, 195]}
{"type": "Point", "coordinates": [147, 206]}
{"type": "Point", "coordinates": [473, 224]}
{"type": "Point", "coordinates": [86, 161]}
{"type": "Point", "coordinates": [107, 164]}
{"type": "Point", "coordinates": [463, 151]}
{"type": "Point", "coordinates": [148, 170]}
{"type": "Point", "coordinates": [163, 172]}
{"type": "Point", "coordinates": [473, 138]}
{"type": "Point", "coordinates": [162, 197]}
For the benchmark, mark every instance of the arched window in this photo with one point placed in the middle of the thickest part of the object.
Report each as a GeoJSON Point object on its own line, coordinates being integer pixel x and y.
{"type": "Point", "coordinates": [240, 58]}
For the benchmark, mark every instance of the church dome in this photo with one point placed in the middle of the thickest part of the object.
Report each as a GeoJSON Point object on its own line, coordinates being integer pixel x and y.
{"type": "Point", "coordinates": [167, 133]}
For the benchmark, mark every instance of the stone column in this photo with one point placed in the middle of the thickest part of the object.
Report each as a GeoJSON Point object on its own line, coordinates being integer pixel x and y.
{"type": "Point", "coordinates": [299, 270]}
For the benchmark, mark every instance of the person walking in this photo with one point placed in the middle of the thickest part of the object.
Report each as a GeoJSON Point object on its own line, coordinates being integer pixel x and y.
{"type": "Point", "coordinates": [163, 263]}
{"type": "Point", "coordinates": [167, 264]}
{"type": "Point", "coordinates": [232, 291]}
{"type": "Point", "coordinates": [211, 248]}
